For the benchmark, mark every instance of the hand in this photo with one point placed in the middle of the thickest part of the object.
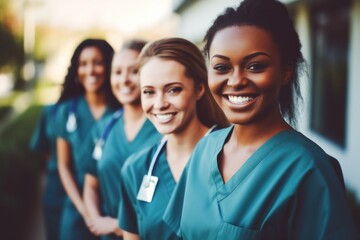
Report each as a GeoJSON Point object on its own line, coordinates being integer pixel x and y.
{"type": "Point", "coordinates": [85, 215]}
{"type": "Point", "coordinates": [118, 232]}
{"type": "Point", "coordinates": [103, 225]}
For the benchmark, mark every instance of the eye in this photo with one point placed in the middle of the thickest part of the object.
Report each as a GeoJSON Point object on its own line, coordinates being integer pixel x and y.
{"type": "Point", "coordinates": [135, 71]}
{"type": "Point", "coordinates": [174, 90]}
{"type": "Point", "coordinates": [222, 68]}
{"type": "Point", "coordinates": [82, 63]}
{"type": "Point", "coordinates": [98, 62]}
{"type": "Point", "coordinates": [148, 92]}
{"type": "Point", "coordinates": [256, 67]}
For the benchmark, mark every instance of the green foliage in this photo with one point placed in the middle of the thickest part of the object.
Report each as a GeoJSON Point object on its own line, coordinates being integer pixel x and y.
{"type": "Point", "coordinates": [20, 172]}
{"type": "Point", "coordinates": [4, 111]}
{"type": "Point", "coordinates": [11, 51]}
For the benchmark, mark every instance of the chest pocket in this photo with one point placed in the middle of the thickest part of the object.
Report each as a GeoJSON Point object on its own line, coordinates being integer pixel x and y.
{"type": "Point", "coordinates": [229, 231]}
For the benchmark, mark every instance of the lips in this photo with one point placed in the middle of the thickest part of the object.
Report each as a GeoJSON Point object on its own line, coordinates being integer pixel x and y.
{"type": "Point", "coordinates": [91, 80]}
{"type": "Point", "coordinates": [125, 90]}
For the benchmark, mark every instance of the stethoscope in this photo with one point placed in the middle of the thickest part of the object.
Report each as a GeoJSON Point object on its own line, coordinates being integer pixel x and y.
{"type": "Point", "coordinates": [160, 147]}
{"type": "Point", "coordinates": [97, 153]}
{"type": "Point", "coordinates": [71, 124]}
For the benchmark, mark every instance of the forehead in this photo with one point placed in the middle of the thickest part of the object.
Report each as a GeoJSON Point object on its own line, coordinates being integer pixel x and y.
{"type": "Point", "coordinates": [126, 56]}
{"type": "Point", "coordinates": [91, 51]}
{"type": "Point", "coordinates": [160, 72]}
{"type": "Point", "coordinates": [242, 39]}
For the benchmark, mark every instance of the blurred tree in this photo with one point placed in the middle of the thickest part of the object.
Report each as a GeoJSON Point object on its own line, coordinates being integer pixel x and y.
{"type": "Point", "coordinates": [11, 46]}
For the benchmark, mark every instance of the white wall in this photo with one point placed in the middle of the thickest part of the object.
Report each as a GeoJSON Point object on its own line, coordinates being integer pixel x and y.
{"type": "Point", "coordinates": [197, 19]}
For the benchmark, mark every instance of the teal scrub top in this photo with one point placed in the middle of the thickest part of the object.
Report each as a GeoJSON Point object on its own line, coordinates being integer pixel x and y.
{"type": "Point", "coordinates": [80, 140]}
{"type": "Point", "coordinates": [116, 150]}
{"type": "Point", "coordinates": [139, 217]}
{"type": "Point", "coordinates": [43, 140]}
{"type": "Point", "coordinates": [288, 189]}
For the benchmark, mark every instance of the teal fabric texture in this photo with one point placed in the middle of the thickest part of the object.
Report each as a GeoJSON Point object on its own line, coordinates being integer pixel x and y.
{"type": "Point", "coordinates": [288, 189]}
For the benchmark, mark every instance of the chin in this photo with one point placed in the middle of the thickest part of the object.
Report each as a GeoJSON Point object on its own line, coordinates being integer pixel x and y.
{"type": "Point", "coordinates": [164, 130]}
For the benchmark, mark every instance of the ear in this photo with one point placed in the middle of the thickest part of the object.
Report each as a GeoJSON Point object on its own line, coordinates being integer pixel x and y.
{"type": "Point", "coordinates": [200, 91]}
{"type": "Point", "coordinates": [288, 71]}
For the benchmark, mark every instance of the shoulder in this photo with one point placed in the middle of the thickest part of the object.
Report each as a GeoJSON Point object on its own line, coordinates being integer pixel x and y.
{"type": "Point", "coordinates": [215, 137]}
{"type": "Point", "coordinates": [138, 162]}
{"type": "Point", "coordinates": [64, 105]}
{"type": "Point", "coordinates": [307, 158]}
{"type": "Point", "coordinates": [301, 146]}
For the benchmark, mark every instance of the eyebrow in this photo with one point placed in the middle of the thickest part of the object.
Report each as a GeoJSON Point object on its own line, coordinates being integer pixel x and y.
{"type": "Point", "coordinates": [245, 58]}
{"type": "Point", "coordinates": [220, 56]}
{"type": "Point", "coordinates": [256, 54]}
{"type": "Point", "coordinates": [166, 85]}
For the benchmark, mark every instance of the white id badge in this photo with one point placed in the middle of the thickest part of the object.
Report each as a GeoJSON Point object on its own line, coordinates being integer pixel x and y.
{"type": "Point", "coordinates": [97, 153]}
{"type": "Point", "coordinates": [147, 188]}
{"type": "Point", "coordinates": [71, 123]}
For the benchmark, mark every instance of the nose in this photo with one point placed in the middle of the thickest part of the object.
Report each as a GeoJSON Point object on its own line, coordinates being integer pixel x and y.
{"type": "Point", "coordinates": [90, 69]}
{"type": "Point", "coordinates": [161, 102]}
{"type": "Point", "coordinates": [237, 79]}
{"type": "Point", "coordinates": [124, 78]}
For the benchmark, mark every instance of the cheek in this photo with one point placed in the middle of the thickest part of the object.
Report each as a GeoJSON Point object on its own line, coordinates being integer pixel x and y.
{"type": "Point", "coordinates": [146, 103]}
{"type": "Point", "coordinates": [101, 69]}
{"type": "Point", "coordinates": [80, 71]}
{"type": "Point", "coordinates": [214, 83]}
{"type": "Point", "coordinates": [135, 80]}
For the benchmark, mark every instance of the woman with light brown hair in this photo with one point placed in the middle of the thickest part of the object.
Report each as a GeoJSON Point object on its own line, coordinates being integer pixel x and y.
{"type": "Point", "coordinates": [177, 100]}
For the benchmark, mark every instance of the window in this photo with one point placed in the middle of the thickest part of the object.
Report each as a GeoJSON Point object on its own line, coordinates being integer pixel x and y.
{"type": "Point", "coordinates": [330, 42]}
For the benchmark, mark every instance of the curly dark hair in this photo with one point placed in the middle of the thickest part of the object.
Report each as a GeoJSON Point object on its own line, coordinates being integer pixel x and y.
{"type": "Point", "coordinates": [72, 89]}
{"type": "Point", "coordinates": [273, 17]}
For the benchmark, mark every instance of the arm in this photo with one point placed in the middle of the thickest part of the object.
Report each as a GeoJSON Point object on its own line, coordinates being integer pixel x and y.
{"type": "Point", "coordinates": [67, 177]}
{"type": "Point", "coordinates": [99, 225]}
{"type": "Point", "coordinates": [130, 236]}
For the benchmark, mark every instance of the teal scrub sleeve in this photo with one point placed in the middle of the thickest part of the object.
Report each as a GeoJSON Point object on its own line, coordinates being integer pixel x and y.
{"type": "Point", "coordinates": [39, 141]}
{"type": "Point", "coordinates": [318, 214]}
{"type": "Point", "coordinates": [63, 114]}
{"type": "Point", "coordinates": [127, 215]}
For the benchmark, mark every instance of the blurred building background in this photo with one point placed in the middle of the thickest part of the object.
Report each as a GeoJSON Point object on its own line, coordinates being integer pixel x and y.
{"type": "Point", "coordinates": [37, 39]}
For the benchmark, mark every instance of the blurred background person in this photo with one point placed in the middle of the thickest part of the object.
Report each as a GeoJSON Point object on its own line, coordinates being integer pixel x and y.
{"type": "Point", "coordinates": [87, 98]}
{"type": "Point", "coordinates": [127, 132]}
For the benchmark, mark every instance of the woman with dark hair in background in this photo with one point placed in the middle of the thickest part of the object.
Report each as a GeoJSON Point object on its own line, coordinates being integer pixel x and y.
{"type": "Point", "coordinates": [127, 132]}
{"type": "Point", "coordinates": [177, 100]}
{"type": "Point", "coordinates": [260, 178]}
{"type": "Point", "coordinates": [85, 99]}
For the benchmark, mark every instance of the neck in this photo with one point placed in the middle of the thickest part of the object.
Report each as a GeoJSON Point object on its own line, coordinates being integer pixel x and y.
{"type": "Point", "coordinates": [185, 141]}
{"type": "Point", "coordinates": [133, 112]}
{"type": "Point", "coordinates": [255, 134]}
{"type": "Point", "coordinates": [95, 99]}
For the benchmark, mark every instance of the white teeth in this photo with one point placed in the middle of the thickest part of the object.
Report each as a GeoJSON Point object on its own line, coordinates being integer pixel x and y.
{"type": "Point", "coordinates": [239, 99]}
{"type": "Point", "coordinates": [125, 90]}
{"type": "Point", "coordinates": [164, 117]}
{"type": "Point", "coordinates": [90, 80]}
